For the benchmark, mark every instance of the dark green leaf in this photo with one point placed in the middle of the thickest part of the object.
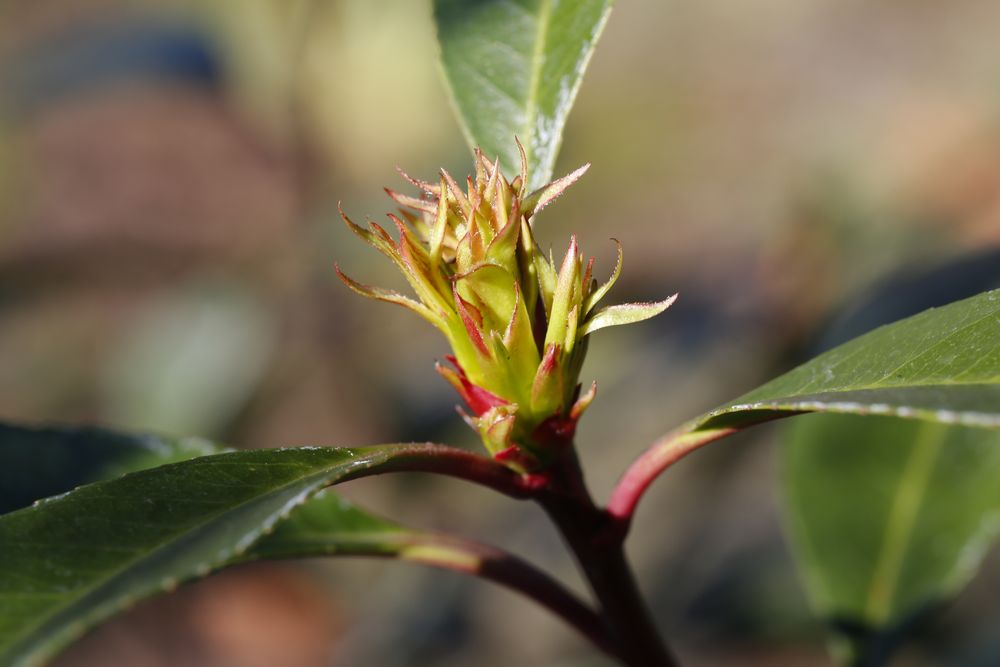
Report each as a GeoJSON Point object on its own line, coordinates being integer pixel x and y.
{"type": "Point", "coordinates": [887, 517]}
{"type": "Point", "coordinates": [38, 462]}
{"type": "Point", "coordinates": [942, 365]}
{"type": "Point", "coordinates": [44, 461]}
{"type": "Point", "coordinates": [514, 68]}
{"type": "Point", "coordinates": [71, 561]}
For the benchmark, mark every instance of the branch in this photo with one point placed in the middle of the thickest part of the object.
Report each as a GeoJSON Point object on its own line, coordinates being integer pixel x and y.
{"type": "Point", "coordinates": [511, 572]}
{"type": "Point", "coordinates": [459, 555]}
{"type": "Point", "coordinates": [599, 549]}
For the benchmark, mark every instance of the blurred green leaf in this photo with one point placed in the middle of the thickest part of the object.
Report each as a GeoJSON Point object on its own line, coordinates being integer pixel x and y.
{"type": "Point", "coordinates": [942, 365]}
{"type": "Point", "coordinates": [887, 517]}
{"type": "Point", "coordinates": [514, 68]}
{"type": "Point", "coordinates": [192, 363]}
{"type": "Point", "coordinates": [71, 561]}
{"type": "Point", "coordinates": [45, 461]}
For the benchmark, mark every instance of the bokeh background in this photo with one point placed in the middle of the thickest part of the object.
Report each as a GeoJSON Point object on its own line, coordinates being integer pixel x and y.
{"type": "Point", "coordinates": [169, 173]}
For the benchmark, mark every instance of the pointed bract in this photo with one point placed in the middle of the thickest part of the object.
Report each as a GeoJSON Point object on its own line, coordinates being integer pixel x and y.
{"type": "Point", "coordinates": [601, 291]}
{"type": "Point", "coordinates": [545, 195]}
{"type": "Point", "coordinates": [390, 297]}
{"type": "Point", "coordinates": [625, 313]}
{"type": "Point", "coordinates": [583, 402]}
{"type": "Point", "coordinates": [562, 298]}
{"type": "Point", "coordinates": [547, 386]}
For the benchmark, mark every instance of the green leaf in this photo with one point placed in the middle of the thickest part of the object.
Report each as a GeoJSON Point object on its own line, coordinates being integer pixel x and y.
{"type": "Point", "coordinates": [887, 518]}
{"type": "Point", "coordinates": [39, 462]}
{"type": "Point", "coordinates": [513, 68]}
{"type": "Point", "coordinates": [942, 365]}
{"type": "Point", "coordinates": [329, 525]}
{"type": "Point", "coordinates": [71, 561]}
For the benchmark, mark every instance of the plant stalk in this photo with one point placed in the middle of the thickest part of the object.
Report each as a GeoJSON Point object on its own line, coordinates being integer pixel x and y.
{"type": "Point", "coordinates": [597, 541]}
{"type": "Point", "coordinates": [596, 537]}
{"type": "Point", "coordinates": [457, 554]}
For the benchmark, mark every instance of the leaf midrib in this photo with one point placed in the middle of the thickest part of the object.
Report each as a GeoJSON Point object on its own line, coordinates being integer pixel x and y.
{"type": "Point", "coordinates": [902, 519]}
{"type": "Point", "coordinates": [534, 82]}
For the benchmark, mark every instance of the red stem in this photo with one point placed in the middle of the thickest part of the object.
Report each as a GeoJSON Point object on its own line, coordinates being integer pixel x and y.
{"type": "Point", "coordinates": [661, 455]}
{"type": "Point", "coordinates": [598, 545]}
{"type": "Point", "coordinates": [460, 555]}
{"type": "Point", "coordinates": [510, 571]}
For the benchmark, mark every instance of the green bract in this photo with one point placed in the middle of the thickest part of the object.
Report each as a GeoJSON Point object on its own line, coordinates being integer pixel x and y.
{"type": "Point", "coordinates": [517, 321]}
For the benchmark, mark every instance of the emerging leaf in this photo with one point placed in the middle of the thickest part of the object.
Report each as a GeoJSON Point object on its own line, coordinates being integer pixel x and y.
{"type": "Point", "coordinates": [625, 313]}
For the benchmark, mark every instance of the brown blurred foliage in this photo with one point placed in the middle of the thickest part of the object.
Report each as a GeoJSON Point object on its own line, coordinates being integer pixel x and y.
{"type": "Point", "coordinates": [168, 176]}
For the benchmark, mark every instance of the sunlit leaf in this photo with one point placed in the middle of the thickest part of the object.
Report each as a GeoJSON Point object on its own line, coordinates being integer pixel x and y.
{"type": "Point", "coordinates": [514, 68]}
{"type": "Point", "coordinates": [942, 365]}
{"type": "Point", "coordinates": [71, 561]}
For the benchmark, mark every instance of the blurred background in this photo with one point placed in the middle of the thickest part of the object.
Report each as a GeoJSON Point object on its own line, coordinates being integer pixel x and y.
{"type": "Point", "coordinates": [169, 173]}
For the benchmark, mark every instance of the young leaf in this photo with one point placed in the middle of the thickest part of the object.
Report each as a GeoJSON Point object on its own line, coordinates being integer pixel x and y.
{"type": "Point", "coordinates": [887, 517]}
{"type": "Point", "coordinates": [625, 313]}
{"type": "Point", "coordinates": [514, 68]}
{"type": "Point", "coordinates": [942, 365]}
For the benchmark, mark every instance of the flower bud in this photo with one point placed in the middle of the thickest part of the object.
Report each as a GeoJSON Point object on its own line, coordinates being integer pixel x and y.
{"type": "Point", "coordinates": [516, 321]}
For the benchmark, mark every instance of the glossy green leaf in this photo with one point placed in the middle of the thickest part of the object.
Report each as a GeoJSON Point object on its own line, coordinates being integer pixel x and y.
{"type": "Point", "coordinates": [71, 561]}
{"type": "Point", "coordinates": [942, 365]}
{"type": "Point", "coordinates": [887, 518]}
{"type": "Point", "coordinates": [514, 68]}
{"type": "Point", "coordinates": [38, 462]}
